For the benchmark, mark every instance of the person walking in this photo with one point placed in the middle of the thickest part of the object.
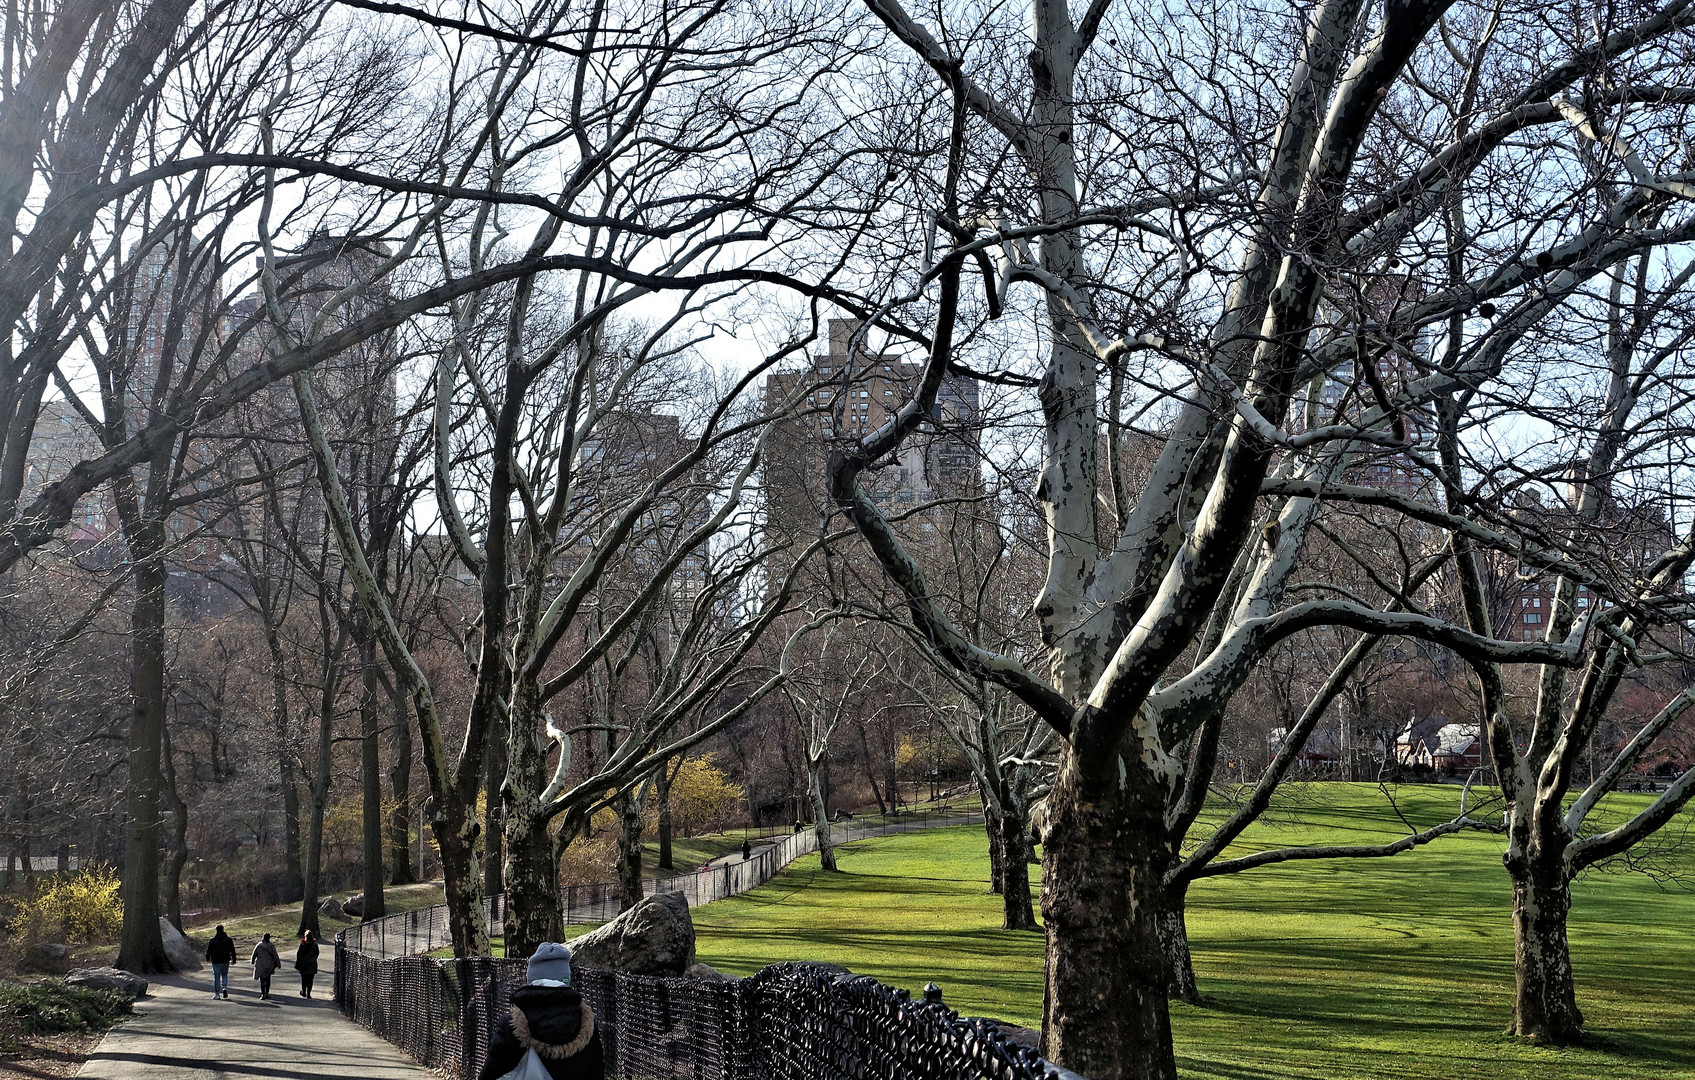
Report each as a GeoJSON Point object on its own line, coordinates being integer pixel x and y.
{"type": "Point", "coordinates": [306, 962]}
{"type": "Point", "coordinates": [220, 953]}
{"type": "Point", "coordinates": [747, 850]}
{"type": "Point", "coordinates": [265, 964]}
{"type": "Point", "coordinates": [549, 1028]}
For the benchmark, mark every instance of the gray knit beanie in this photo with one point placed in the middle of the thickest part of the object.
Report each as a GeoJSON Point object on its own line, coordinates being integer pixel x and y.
{"type": "Point", "coordinates": [551, 962]}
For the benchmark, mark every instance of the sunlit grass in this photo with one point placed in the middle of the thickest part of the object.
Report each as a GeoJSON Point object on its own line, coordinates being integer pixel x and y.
{"type": "Point", "coordinates": [1383, 968]}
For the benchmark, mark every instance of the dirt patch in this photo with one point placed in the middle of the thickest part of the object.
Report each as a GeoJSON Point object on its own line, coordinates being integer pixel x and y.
{"type": "Point", "coordinates": [49, 1055]}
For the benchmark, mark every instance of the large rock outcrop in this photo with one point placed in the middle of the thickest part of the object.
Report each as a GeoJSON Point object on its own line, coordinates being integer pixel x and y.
{"type": "Point", "coordinates": [179, 950]}
{"type": "Point", "coordinates": [354, 906]}
{"type": "Point", "coordinates": [656, 937]}
{"type": "Point", "coordinates": [108, 978]}
{"type": "Point", "coordinates": [330, 908]}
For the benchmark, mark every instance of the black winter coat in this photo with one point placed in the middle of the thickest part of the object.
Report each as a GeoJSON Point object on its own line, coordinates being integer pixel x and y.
{"type": "Point", "coordinates": [221, 950]}
{"type": "Point", "coordinates": [558, 1024]}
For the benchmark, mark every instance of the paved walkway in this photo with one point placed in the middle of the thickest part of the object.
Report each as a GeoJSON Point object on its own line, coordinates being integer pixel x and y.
{"type": "Point", "coordinates": [735, 857]}
{"type": "Point", "coordinates": [181, 1031]}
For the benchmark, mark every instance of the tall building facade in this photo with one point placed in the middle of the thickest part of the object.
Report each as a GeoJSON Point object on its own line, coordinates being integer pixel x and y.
{"type": "Point", "coordinates": [845, 394]}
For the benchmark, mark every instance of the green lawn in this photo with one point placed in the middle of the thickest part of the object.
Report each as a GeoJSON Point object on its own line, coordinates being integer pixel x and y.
{"type": "Point", "coordinates": [692, 852]}
{"type": "Point", "coordinates": [1384, 968]}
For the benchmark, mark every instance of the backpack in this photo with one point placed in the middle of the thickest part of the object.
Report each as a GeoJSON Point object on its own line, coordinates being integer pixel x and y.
{"type": "Point", "coordinates": [531, 1067]}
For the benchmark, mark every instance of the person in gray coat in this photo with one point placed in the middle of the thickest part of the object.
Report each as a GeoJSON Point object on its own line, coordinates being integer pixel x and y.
{"type": "Point", "coordinates": [265, 964]}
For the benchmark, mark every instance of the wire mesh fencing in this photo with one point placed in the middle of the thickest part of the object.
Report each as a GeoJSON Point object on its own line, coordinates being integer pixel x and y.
{"type": "Point", "coordinates": [425, 930]}
{"type": "Point", "coordinates": [789, 1022]}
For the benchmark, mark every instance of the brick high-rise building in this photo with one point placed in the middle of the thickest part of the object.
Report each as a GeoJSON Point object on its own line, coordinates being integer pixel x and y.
{"type": "Point", "coordinates": [847, 394]}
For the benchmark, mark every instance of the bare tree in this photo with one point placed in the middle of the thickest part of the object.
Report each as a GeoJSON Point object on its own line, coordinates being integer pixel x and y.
{"type": "Point", "coordinates": [1252, 228]}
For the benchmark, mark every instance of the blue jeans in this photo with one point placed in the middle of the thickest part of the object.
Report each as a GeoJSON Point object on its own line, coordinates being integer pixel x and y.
{"type": "Point", "coordinates": [220, 978]}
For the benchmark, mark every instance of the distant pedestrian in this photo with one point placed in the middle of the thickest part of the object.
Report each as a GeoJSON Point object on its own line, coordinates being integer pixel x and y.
{"type": "Point", "coordinates": [550, 1029]}
{"type": "Point", "coordinates": [220, 953]}
{"type": "Point", "coordinates": [265, 964]}
{"type": "Point", "coordinates": [747, 850]}
{"type": "Point", "coordinates": [306, 962]}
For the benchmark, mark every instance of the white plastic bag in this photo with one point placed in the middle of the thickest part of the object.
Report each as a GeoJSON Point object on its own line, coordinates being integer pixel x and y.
{"type": "Point", "coordinates": [530, 1068]}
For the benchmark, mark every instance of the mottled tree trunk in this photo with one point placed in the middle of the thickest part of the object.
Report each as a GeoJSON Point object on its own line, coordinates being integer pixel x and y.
{"type": "Point", "coordinates": [1545, 1001]}
{"type": "Point", "coordinates": [662, 792]}
{"type": "Point", "coordinates": [400, 790]}
{"type": "Point", "coordinates": [495, 759]}
{"type": "Point", "coordinates": [140, 948]}
{"type": "Point", "coordinates": [1174, 935]}
{"type": "Point", "coordinates": [456, 827]}
{"type": "Point", "coordinates": [371, 780]}
{"type": "Point", "coordinates": [532, 882]}
{"type": "Point", "coordinates": [179, 834]}
{"type": "Point", "coordinates": [629, 851]}
{"type": "Point", "coordinates": [293, 883]}
{"type": "Point", "coordinates": [531, 864]}
{"type": "Point", "coordinates": [820, 812]}
{"type": "Point", "coordinates": [1104, 1013]}
{"type": "Point", "coordinates": [871, 769]}
{"type": "Point", "coordinates": [997, 857]}
{"type": "Point", "coordinates": [313, 879]}
{"type": "Point", "coordinates": [1014, 845]}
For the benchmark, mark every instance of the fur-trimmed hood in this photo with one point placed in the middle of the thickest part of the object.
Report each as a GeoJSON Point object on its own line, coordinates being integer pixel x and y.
{"type": "Point", "coordinates": [554, 1021]}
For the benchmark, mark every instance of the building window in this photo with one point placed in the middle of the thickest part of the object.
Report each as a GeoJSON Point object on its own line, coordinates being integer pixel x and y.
{"type": "Point", "coordinates": [1532, 617]}
{"type": "Point", "coordinates": [1535, 601]}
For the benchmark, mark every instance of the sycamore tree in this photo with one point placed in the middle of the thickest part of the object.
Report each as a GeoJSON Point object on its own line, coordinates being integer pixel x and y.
{"type": "Point", "coordinates": [1205, 213]}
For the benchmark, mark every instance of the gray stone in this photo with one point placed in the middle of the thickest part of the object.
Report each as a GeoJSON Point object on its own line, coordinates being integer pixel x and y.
{"type": "Point", "coordinates": [330, 908]}
{"type": "Point", "coordinates": [108, 978]}
{"type": "Point", "coordinates": [708, 973]}
{"type": "Point", "coordinates": [656, 937]}
{"type": "Point", "coordinates": [179, 950]}
{"type": "Point", "coordinates": [354, 906]}
{"type": "Point", "coordinates": [48, 958]}
{"type": "Point", "coordinates": [1012, 1033]}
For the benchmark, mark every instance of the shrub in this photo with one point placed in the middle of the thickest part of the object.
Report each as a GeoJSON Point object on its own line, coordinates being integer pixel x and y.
{"type": "Point", "coordinates": [84, 906]}
{"type": "Point", "coordinates": [47, 1008]}
{"type": "Point", "coordinates": [702, 796]}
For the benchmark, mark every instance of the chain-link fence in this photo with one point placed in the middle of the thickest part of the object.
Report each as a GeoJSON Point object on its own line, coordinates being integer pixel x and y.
{"type": "Point", "coordinates": [412, 933]}
{"type": "Point", "coordinates": [789, 1022]}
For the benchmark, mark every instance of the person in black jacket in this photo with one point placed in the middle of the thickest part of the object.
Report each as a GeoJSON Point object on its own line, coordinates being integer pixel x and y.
{"type": "Point", "coordinates": [306, 962]}
{"type": "Point", "coordinates": [221, 954]}
{"type": "Point", "coordinates": [551, 1018]}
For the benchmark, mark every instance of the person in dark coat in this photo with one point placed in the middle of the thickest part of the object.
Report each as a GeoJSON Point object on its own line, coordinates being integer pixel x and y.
{"type": "Point", "coordinates": [306, 962]}
{"type": "Point", "coordinates": [220, 953]}
{"type": "Point", "coordinates": [551, 1018]}
{"type": "Point", "coordinates": [265, 964]}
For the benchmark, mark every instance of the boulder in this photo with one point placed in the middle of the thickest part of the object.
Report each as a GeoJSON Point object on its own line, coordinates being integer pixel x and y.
{"type": "Point", "coordinates": [1012, 1033]}
{"type": "Point", "coordinates": [354, 906]}
{"type": "Point", "coordinates": [330, 908]}
{"type": "Point", "coordinates": [708, 973]}
{"type": "Point", "coordinates": [179, 950]}
{"type": "Point", "coordinates": [49, 958]}
{"type": "Point", "coordinates": [108, 978]}
{"type": "Point", "coordinates": [656, 937]}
